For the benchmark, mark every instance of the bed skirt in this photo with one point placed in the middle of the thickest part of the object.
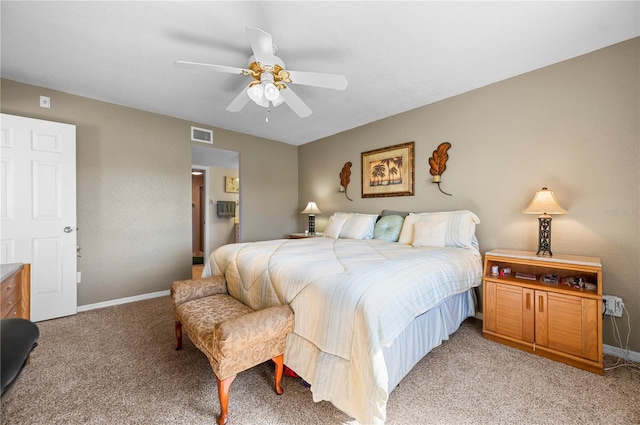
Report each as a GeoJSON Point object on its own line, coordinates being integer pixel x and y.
{"type": "Point", "coordinates": [426, 332]}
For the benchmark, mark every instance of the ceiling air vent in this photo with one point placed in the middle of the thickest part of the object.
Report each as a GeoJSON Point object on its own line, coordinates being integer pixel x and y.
{"type": "Point", "coordinates": [201, 135]}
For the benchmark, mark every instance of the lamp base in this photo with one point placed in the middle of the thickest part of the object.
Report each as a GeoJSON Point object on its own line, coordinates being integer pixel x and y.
{"type": "Point", "coordinates": [544, 235]}
{"type": "Point", "coordinates": [312, 224]}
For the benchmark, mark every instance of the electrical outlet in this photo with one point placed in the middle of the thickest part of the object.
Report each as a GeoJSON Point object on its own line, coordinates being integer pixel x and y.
{"type": "Point", "coordinates": [612, 305]}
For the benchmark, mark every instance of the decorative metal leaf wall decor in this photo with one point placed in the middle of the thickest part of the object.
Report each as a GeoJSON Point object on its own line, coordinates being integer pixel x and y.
{"type": "Point", "coordinates": [438, 163]}
{"type": "Point", "coordinates": [345, 178]}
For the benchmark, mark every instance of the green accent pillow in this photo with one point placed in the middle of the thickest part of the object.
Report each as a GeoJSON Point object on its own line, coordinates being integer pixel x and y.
{"type": "Point", "coordinates": [388, 228]}
{"type": "Point", "coordinates": [402, 214]}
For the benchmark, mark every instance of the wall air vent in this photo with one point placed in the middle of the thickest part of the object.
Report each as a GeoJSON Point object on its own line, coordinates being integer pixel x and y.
{"type": "Point", "coordinates": [201, 135]}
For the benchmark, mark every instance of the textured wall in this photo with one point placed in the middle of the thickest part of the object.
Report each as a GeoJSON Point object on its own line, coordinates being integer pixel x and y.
{"type": "Point", "coordinates": [222, 229]}
{"type": "Point", "coordinates": [572, 127]}
{"type": "Point", "coordinates": [134, 190]}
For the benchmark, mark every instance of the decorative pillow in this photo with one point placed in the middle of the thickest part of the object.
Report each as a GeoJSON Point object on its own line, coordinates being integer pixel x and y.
{"type": "Point", "coordinates": [461, 227]}
{"type": "Point", "coordinates": [402, 214]}
{"type": "Point", "coordinates": [406, 234]}
{"type": "Point", "coordinates": [429, 233]}
{"type": "Point", "coordinates": [359, 226]}
{"type": "Point", "coordinates": [334, 226]}
{"type": "Point", "coordinates": [388, 228]}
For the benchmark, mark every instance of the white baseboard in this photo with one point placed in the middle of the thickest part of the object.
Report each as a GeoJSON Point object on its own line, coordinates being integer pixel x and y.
{"type": "Point", "coordinates": [119, 301]}
{"type": "Point", "coordinates": [619, 352]}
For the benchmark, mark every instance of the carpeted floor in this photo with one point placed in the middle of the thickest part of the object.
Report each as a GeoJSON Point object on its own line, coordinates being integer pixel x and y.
{"type": "Point", "coordinates": [118, 365]}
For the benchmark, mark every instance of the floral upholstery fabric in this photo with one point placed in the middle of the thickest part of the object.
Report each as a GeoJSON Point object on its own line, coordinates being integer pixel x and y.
{"type": "Point", "coordinates": [185, 290]}
{"type": "Point", "coordinates": [233, 336]}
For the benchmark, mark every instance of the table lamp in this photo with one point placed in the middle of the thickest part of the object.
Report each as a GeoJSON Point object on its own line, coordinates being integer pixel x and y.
{"type": "Point", "coordinates": [544, 203]}
{"type": "Point", "coordinates": [312, 210]}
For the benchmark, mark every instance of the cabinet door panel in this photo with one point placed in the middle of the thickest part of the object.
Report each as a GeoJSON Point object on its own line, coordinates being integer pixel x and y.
{"type": "Point", "coordinates": [590, 340]}
{"type": "Point", "coordinates": [565, 323]}
{"type": "Point", "coordinates": [489, 306]}
{"type": "Point", "coordinates": [541, 315]}
{"type": "Point", "coordinates": [528, 315]}
{"type": "Point", "coordinates": [509, 311]}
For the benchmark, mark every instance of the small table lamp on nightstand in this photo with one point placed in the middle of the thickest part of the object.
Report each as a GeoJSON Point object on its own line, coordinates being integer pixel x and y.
{"type": "Point", "coordinates": [312, 210]}
{"type": "Point", "coordinates": [545, 203]}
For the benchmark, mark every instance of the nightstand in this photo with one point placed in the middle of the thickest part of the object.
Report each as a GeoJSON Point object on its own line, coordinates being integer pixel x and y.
{"type": "Point", "coordinates": [304, 235]}
{"type": "Point", "coordinates": [549, 306]}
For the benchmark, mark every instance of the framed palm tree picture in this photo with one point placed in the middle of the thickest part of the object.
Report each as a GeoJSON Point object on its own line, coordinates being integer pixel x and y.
{"type": "Point", "coordinates": [388, 171]}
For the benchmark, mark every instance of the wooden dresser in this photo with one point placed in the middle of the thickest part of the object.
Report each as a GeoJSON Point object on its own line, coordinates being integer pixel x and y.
{"type": "Point", "coordinates": [539, 306]}
{"type": "Point", "coordinates": [15, 292]}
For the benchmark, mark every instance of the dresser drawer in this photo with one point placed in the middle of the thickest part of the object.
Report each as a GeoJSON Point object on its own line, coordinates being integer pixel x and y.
{"type": "Point", "coordinates": [9, 304]}
{"type": "Point", "coordinates": [15, 291]}
{"type": "Point", "coordinates": [12, 312]}
{"type": "Point", "coordinates": [9, 287]}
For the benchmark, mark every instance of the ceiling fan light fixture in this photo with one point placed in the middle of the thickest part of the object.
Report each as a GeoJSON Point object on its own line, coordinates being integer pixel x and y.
{"type": "Point", "coordinates": [271, 92]}
{"type": "Point", "coordinates": [263, 102]}
{"type": "Point", "coordinates": [279, 100]}
{"type": "Point", "coordinates": [256, 92]}
{"type": "Point", "coordinates": [270, 77]}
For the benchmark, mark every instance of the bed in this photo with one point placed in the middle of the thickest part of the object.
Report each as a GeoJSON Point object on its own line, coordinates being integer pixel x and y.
{"type": "Point", "coordinates": [370, 299]}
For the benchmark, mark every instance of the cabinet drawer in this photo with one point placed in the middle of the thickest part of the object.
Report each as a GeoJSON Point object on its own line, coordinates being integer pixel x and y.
{"type": "Point", "coordinates": [15, 291]}
{"type": "Point", "coordinates": [9, 304]}
{"type": "Point", "coordinates": [13, 312]}
{"type": "Point", "coordinates": [9, 287]}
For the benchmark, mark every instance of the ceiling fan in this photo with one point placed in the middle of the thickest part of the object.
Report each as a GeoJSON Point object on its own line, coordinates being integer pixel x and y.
{"type": "Point", "coordinates": [271, 82]}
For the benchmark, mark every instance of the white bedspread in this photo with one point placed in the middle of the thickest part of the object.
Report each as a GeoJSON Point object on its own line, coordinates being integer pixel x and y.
{"type": "Point", "coordinates": [350, 299]}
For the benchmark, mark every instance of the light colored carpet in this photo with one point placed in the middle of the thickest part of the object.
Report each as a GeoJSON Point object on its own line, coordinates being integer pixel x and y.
{"type": "Point", "coordinates": [118, 365]}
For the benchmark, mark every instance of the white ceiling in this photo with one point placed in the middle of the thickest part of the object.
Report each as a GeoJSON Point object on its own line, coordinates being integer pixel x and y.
{"type": "Point", "coordinates": [396, 56]}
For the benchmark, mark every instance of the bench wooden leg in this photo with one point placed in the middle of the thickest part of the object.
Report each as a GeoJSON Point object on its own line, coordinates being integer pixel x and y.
{"type": "Point", "coordinates": [278, 360]}
{"type": "Point", "coordinates": [223, 394]}
{"type": "Point", "coordinates": [179, 335]}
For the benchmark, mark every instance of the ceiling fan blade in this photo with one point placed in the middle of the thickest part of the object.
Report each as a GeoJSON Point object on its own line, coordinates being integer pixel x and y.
{"type": "Point", "coordinates": [329, 81]}
{"type": "Point", "coordinates": [210, 67]}
{"type": "Point", "coordinates": [239, 102]}
{"type": "Point", "coordinates": [295, 103]}
{"type": "Point", "coordinates": [261, 44]}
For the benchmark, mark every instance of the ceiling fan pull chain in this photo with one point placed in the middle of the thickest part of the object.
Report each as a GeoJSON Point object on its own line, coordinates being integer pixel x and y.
{"type": "Point", "coordinates": [266, 119]}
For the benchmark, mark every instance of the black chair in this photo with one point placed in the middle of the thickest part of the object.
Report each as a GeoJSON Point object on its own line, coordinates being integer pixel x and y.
{"type": "Point", "coordinates": [18, 337]}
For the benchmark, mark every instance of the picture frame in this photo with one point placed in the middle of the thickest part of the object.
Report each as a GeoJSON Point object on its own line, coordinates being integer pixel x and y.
{"type": "Point", "coordinates": [388, 171]}
{"type": "Point", "coordinates": [231, 184]}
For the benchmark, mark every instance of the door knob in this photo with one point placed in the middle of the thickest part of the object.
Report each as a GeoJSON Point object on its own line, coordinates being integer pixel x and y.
{"type": "Point", "coordinates": [68, 229]}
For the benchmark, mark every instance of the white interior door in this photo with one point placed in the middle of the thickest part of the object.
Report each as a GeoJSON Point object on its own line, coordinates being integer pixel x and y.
{"type": "Point", "coordinates": [38, 209]}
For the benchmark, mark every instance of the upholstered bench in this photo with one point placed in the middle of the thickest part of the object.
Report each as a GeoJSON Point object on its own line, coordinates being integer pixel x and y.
{"type": "Point", "coordinates": [233, 336]}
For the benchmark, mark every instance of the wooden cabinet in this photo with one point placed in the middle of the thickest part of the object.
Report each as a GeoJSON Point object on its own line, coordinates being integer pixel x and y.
{"type": "Point", "coordinates": [558, 314]}
{"type": "Point", "coordinates": [15, 291]}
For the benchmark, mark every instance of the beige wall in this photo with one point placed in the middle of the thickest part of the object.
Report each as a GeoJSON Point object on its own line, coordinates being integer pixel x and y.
{"type": "Point", "coordinates": [134, 190]}
{"type": "Point", "coordinates": [572, 127]}
{"type": "Point", "coordinates": [222, 229]}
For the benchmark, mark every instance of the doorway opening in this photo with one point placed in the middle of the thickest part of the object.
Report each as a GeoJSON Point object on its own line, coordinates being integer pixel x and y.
{"type": "Point", "coordinates": [210, 230]}
{"type": "Point", "coordinates": [198, 214]}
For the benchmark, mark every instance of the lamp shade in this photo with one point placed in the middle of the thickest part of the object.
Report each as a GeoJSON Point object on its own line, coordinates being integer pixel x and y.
{"type": "Point", "coordinates": [544, 202]}
{"type": "Point", "coordinates": [255, 92]}
{"type": "Point", "coordinates": [271, 92]}
{"type": "Point", "coordinates": [311, 208]}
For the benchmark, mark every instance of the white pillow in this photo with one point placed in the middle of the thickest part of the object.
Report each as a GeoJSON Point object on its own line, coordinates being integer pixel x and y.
{"type": "Point", "coordinates": [406, 234]}
{"type": "Point", "coordinates": [429, 233]}
{"type": "Point", "coordinates": [359, 226]}
{"type": "Point", "coordinates": [334, 226]}
{"type": "Point", "coordinates": [461, 227]}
